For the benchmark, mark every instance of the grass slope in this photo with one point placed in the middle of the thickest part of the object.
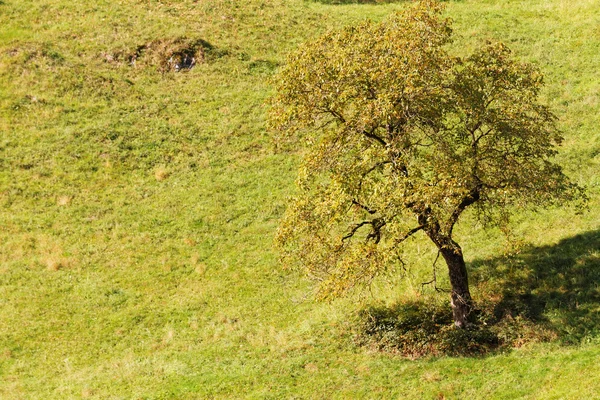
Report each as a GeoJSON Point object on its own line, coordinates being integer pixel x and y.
{"type": "Point", "coordinates": [138, 206]}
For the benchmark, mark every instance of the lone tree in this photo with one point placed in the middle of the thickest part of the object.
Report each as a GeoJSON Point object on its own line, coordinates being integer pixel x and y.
{"type": "Point", "coordinates": [402, 137]}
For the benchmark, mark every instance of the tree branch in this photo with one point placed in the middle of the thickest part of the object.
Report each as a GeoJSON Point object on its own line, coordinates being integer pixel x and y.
{"type": "Point", "coordinates": [472, 197]}
{"type": "Point", "coordinates": [367, 209]}
{"type": "Point", "coordinates": [335, 114]}
{"type": "Point", "coordinates": [434, 279]}
{"type": "Point", "coordinates": [373, 168]}
{"type": "Point", "coordinates": [373, 136]}
{"type": "Point", "coordinates": [377, 224]}
{"type": "Point", "coordinates": [409, 233]}
{"type": "Point", "coordinates": [356, 228]}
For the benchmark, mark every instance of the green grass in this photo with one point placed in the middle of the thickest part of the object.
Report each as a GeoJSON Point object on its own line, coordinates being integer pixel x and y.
{"type": "Point", "coordinates": [138, 208]}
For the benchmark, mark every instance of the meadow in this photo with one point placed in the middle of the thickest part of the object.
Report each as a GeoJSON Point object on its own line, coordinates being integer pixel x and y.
{"type": "Point", "coordinates": [139, 201]}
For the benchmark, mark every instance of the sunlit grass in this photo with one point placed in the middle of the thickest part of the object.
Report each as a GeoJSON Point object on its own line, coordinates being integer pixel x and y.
{"type": "Point", "coordinates": [138, 208]}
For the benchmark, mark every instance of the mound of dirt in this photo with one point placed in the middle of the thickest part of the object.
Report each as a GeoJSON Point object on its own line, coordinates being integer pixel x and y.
{"type": "Point", "coordinates": [167, 54]}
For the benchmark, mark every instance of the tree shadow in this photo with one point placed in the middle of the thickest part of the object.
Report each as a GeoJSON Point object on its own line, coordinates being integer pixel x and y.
{"type": "Point", "coordinates": [547, 293]}
{"type": "Point", "coordinates": [555, 287]}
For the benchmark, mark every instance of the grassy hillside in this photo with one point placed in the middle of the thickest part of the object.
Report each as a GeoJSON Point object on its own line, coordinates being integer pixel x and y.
{"type": "Point", "coordinates": [138, 207]}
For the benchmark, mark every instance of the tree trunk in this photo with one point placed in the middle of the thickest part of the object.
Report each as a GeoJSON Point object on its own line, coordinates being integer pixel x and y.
{"type": "Point", "coordinates": [460, 297]}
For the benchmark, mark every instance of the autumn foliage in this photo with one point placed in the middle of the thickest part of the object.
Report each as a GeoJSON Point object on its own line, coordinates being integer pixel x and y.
{"type": "Point", "coordinates": [402, 137]}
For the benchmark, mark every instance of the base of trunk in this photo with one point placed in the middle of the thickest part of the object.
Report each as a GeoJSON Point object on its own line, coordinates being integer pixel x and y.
{"type": "Point", "coordinates": [462, 306]}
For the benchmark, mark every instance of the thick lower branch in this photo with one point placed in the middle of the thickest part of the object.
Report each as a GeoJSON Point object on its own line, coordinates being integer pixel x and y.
{"type": "Point", "coordinates": [473, 196]}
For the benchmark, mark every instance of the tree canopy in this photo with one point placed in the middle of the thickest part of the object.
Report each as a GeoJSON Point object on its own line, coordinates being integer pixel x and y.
{"type": "Point", "coordinates": [403, 137]}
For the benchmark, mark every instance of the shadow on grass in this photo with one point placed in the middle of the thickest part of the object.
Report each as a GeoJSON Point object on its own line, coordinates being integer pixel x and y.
{"type": "Point", "coordinates": [557, 286]}
{"type": "Point", "coordinates": [548, 293]}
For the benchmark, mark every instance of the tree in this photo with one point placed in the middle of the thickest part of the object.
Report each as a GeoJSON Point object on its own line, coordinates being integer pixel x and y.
{"type": "Point", "coordinates": [402, 138]}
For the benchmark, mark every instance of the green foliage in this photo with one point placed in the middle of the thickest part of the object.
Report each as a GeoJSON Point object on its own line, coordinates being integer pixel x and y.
{"type": "Point", "coordinates": [403, 137]}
